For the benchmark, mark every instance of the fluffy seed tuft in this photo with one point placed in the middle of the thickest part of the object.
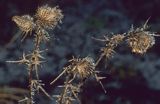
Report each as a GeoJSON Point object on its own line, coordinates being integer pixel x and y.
{"type": "Point", "coordinates": [48, 17]}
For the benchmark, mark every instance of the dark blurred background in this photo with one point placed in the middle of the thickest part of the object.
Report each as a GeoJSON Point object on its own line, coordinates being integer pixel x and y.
{"type": "Point", "coordinates": [130, 78]}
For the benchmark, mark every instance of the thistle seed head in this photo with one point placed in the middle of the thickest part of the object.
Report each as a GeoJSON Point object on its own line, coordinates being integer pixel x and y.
{"type": "Point", "coordinates": [48, 17]}
{"type": "Point", "coordinates": [83, 67]}
{"type": "Point", "coordinates": [141, 41]}
{"type": "Point", "coordinates": [25, 23]}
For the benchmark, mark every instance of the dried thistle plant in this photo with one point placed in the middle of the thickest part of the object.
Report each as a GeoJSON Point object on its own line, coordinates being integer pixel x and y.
{"type": "Point", "coordinates": [45, 18]}
{"type": "Point", "coordinates": [82, 68]}
{"type": "Point", "coordinates": [79, 69]}
{"type": "Point", "coordinates": [139, 40]}
{"type": "Point", "coordinates": [77, 72]}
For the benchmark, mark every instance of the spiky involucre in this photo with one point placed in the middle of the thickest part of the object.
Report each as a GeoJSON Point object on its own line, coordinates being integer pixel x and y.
{"type": "Point", "coordinates": [25, 23]}
{"type": "Point", "coordinates": [82, 67]}
{"type": "Point", "coordinates": [48, 17]}
{"type": "Point", "coordinates": [141, 41]}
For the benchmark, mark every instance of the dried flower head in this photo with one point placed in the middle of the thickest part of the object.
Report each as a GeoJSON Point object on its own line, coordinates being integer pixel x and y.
{"type": "Point", "coordinates": [140, 41]}
{"type": "Point", "coordinates": [82, 67]}
{"type": "Point", "coordinates": [48, 17]}
{"type": "Point", "coordinates": [25, 23]}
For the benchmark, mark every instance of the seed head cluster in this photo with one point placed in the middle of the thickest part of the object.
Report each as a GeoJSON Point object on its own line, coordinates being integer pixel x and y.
{"type": "Point", "coordinates": [45, 18]}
